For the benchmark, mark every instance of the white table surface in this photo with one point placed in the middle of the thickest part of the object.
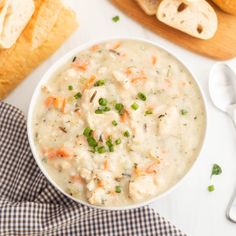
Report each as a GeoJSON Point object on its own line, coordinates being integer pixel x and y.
{"type": "Point", "coordinates": [190, 207]}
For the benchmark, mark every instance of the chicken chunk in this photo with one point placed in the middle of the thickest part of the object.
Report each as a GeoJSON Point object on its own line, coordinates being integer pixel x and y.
{"type": "Point", "coordinates": [142, 187]}
{"type": "Point", "coordinates": [168, 123]}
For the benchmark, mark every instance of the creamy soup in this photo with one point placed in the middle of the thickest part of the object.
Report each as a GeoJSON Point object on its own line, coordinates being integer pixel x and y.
{"type": "Point", "coordinates": [121, 123]}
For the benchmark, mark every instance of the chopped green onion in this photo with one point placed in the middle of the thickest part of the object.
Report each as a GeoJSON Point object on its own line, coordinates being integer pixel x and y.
{"type": "Point", "coordinates": [87, 132]}
{"type": "Point", "coordinates": [78, 95]}
{"type": "Point", "coordinates": [110, 145]}
{"type": "Point", "coordinates": [114, 123]}
{"type": "Point", "coordinates": [148, 112]}
{"type": "Point", "coordinates": [126, 133]}
{"type": "Point", "coordinates": [115, 19]}
{"type": "Point", "coordinates": [99, 111]}
{"type": "Point", "coordinates": [216, 170]}
{"type": "Point", "coordinates": [99, 83]}
{"type": "Point", "coordinates": [92, 142]}
{"type": "Point", "coordinates": [101, 149]}
{"type": "Point", "coordinates": [184, 112]}
{"type": "Point", "coordinates": [105, 109]}
{"type": "Point", "coordinates": [102, 101]}
{"type": "Point", "coordinates": [118, 141]}
{"type": "Point", "coordinates": [118, 189]}
{"type": "Point", "coordinates": [70, 87]}
{"type": "Point", "coordinates": [119, 107]}
{"type": "Point", "coordinates": [211, 188]}
{"type": "Point", "coordinates": [135, 106]}
{"type": "Point", "coordinates": [142, 96]}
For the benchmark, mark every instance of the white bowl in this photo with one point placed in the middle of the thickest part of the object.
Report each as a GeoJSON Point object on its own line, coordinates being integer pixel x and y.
{"type": "Point", "coordinates": [52, 70]}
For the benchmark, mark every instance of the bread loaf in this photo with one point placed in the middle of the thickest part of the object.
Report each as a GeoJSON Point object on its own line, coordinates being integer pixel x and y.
{"type": "Point", "coordinates": [18, 61]}
{"type": "Point", "coordinates": [228, 6]}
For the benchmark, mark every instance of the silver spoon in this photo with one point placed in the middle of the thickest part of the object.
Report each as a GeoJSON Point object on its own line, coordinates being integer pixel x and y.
{"type": "Point", "coordinates": [222, 88]}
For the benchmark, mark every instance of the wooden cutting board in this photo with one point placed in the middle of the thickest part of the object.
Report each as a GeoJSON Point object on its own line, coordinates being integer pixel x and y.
{"type": "Point", "coordinates": [221, 47]}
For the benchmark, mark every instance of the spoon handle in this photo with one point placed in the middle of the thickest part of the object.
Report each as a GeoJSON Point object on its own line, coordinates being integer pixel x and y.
{"type": "Point", "coordinates": [231, 208]}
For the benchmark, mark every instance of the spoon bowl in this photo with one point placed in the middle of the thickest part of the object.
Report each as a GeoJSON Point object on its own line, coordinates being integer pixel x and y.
{"type": "Point", "coordinates": [222, 87]}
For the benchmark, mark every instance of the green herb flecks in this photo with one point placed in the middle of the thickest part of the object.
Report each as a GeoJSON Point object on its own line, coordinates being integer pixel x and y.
{"type": "Point", "coordinates": [118, 141]}
{"type": "Point", "coordinates": [78, 95]}
{"type": "Point", "coordinates": [115, 19]}
{"type": "Point", "coordinates": [142, 96]}
{"type": "Point", "coordinates": [211, 188]}
{"type": "Point", "coordinates": [102, 101]}
{"type": "Point", "coordinates": [101, 149]}
{"type": "Point", "coordinates": [114, 123]}
{"type": "Point", "coordinates": [183, 112]}
{"type": "Point", "coordinates": [126, 134]}
{"type": "Point", "coordinates": [118, 189]}
{"type": "Point", "coordinates": [99, 83]}
{"type": "Point", "coordinates": [110, 145]}
{"type": "Point", "coordinates": [148, 112]}
{"type": "Point", "coordinates": [70, 87]}
{"type": "Point", "coordinates": [87, 132]}
{"type": "Point", "coordinates": [216, 170]}
{"type": "Point", "coordinates": [135, 106]}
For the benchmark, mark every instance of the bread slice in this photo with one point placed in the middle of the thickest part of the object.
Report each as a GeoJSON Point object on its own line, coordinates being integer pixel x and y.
{"type": "Point", "coordinates": [46, 18]}
{"type": "Point", "coordinates": [148, 6]}
{"type": "Point", "coordinates": [17, 17]}
{"type": "Point", "coordinates": [196, 18]}
{"type": "Point", "coordinates": [18, 61]}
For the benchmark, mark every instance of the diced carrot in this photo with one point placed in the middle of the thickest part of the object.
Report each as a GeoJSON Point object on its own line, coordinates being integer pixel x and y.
{"type": "Point", "coordinates": [76, 178]}
{"type": "Point", "coordinates": [89, 82]}
{"type": "Point", "coordinates": [105, 165]}
{"type": "Point", "coordinates": [152, 168]}
{"type": "Point", "coordinates": [78, 113]}
{"type": "Point", "coordinates": [95, 48]}
{"type": "Point", "coordinates": [51, 153]}
{"type": "Point", "coordinates": [100, 184]}
{"type": "Point", "coordinates": [49, 101]}
{"type": "Point", "coordinates": [64, 152]}
{"type": "Point", "coordinates": [116, 46]}
{"type": "Point", "coordinates": [78, 64]}
{"type": "Point", "coordinates": [154, 60]}
{"type": "Point", "coordinates": [57, 102]}
{"type": "Point", "coordinates": [64, 102]}
{"type": "Point", "coordinates": [129, 71]}
{"type": "Point", "coordinates": [124, 116]}
{"type": "Point", "coordinates": [138, 171]}
{"type": "Point", "coordinates": [137, 79]}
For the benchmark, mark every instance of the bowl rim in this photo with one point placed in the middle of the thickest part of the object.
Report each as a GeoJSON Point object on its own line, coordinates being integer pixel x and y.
{"type": "Point", "coordinates": [55, 67]}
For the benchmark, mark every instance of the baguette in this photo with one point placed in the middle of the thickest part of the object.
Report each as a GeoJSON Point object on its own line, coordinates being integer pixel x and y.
{"type": "Point", "coordinates": [148, 6]}
{"type": "Point", "coordinates": [14, 21]}
{"type": "Point", "coordinates": [18, 61]}
{"type": "Point", "coordinates": [228, 6]}
{"type": "Point", "coordinates": [196, 18]}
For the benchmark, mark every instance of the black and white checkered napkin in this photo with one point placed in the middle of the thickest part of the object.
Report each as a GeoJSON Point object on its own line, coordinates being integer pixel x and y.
{"type": "Point", "coordinates": [30, 205]}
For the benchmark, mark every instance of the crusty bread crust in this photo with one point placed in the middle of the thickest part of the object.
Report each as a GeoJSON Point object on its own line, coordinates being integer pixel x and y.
{"type": "Point", "coordinates": [197, 18]}
{"type": "Point", "coordinates": [148, 6]}
{"type": "Point", "coordinates": [18, 61]}
{"type": "Point", "coordinates": [228, 6]}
